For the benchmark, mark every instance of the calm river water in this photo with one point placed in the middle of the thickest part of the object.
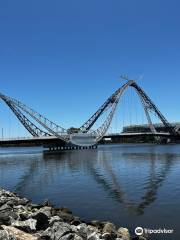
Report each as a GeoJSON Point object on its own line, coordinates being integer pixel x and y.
{"type": "Point", "coordinates": [130, 185]}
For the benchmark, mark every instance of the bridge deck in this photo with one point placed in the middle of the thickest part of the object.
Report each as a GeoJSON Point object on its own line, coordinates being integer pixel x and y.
{"type": "Point", "coordinates": [108, 135]}
{"type": "Point", "coordinates": [51, 141]}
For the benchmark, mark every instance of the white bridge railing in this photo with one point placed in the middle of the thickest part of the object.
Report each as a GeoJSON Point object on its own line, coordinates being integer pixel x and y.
{"type": "Point", "coordinates": [27, 138]}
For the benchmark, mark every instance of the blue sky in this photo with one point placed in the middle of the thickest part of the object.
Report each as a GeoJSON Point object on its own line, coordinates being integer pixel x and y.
{"type": "Point", "coordinates": [63, 58]}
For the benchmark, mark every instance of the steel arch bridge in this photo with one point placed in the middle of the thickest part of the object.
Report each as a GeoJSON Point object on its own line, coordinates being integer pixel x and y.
{"type": "Point", "coordinates": [85, 135]}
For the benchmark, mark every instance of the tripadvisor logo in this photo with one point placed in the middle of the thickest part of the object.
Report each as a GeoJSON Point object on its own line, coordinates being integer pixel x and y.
{"type": "Point", "coordinates": [140, 231]}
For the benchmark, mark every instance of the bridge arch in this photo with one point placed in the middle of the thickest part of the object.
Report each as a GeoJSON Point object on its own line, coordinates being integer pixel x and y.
{"type": "Point", "coordinates": [112, 103]}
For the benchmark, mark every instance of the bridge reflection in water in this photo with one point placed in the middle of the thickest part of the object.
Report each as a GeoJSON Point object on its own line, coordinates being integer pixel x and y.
{"type": "Point", "coordinates": [114, 187]}
{"type": "Point", "coordinates": [118, 183]}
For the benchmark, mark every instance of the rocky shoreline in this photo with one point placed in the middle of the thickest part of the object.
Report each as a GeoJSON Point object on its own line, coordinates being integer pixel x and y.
{"type": "Point", "coordinates": [22, 220]}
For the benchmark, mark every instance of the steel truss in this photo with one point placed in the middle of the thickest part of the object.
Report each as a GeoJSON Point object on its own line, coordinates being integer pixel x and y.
{"type": "Point", "coordinates": [112, 103]}
{"type": "Point", "coordinates": [51, 127]}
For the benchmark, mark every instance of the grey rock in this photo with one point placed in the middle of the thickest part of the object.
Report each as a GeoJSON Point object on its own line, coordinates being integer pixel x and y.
{"type": "Point", "coordinates": [6, 193]}
{"type": "Point", "coordinates": [23, 201]}
{"type": "Point", "coordinates": [123, 233]}
{"type": "Point", "coordinates": [82, 230]}
{"type": "Point", "coordinates": [6, 217]}
{"type": "Point", "coordinates": [3, 235]}
{"type": "Point", "coordinates": [27, 226]}
{"type": "Point", "coordinates": [24, 215]}
{"type": "Point", "coordinates": [76, 221]}
{"type": "Point", "coordinates": [47, 234]}
{"type": "Point", "coordinates": [91, 230]}
{"type": "Point", "coordinates": [109, 231]}
{"type": "Point", "coordinates": [58, 230]}
{"type": "Point", "coordinates": [94, 236]}
{"type": "Point", "coordinates": [17, 201]}
{"type": "Point", "coordinates": [2, 201]}
{"type": "Point", "coordinates": [107, 236]}
{"type": "Point", "coordinates": [42, 220]}
{"type": "Point", "coordinates": [46, 203]}
{"type": "Point", "coordinates": [42, 216]}
{"type": "Point", "coordinates": [69, 236]}
{"type": "Point", "coordinates": [55, 219]}
{"type": "Point", "coordinates": [77, 237]}
{"type": "Point", "coordinates": [46, 211]}
{"type": "Point", "coordinates": [5, 207]}
{"type": "Point", "coordinates": [20, 208]}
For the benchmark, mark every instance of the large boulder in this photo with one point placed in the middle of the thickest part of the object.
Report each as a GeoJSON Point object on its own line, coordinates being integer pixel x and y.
{"type": "Point", "coordinates": [16, 234]}
{"type": "Point", "coordinates": [57, 231]}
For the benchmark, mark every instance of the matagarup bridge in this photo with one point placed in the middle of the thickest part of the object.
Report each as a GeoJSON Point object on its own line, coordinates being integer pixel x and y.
{"type": "Point", "coordinates": [45, 131]}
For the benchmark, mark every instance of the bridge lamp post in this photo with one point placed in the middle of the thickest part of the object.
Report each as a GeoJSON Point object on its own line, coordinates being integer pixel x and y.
{"type": "Point", "coordinates": [2, 132]}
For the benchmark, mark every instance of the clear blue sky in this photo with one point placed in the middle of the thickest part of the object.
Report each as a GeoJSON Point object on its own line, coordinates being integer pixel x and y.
{"type": "Point", "coordinates": [63, 58]}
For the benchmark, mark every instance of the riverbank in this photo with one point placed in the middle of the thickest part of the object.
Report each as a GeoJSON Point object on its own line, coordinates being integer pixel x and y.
{"type": "Point", "coordinates": [22, 220]}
